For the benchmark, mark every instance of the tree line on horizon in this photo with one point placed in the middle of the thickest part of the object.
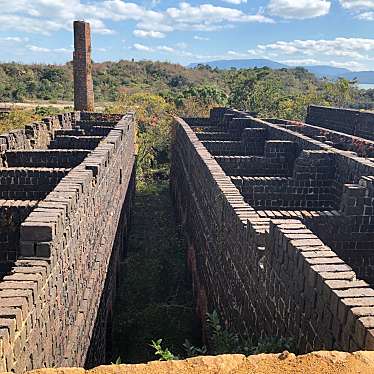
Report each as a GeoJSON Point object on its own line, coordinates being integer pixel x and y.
{"type": "Point", "coordinates": [276, 93]}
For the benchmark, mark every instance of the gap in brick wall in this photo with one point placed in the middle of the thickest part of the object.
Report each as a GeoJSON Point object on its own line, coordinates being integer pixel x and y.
{"type": "Point", "coordinates": [154, 299]}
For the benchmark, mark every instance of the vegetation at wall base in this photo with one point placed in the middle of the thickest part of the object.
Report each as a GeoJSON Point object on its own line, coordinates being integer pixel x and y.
{"type": "Point", "coordinates": [222, 341]}
{"type": "Point", "coordinates": [155, 293]}
{"type": "Point", "coordinates": [164, 354]}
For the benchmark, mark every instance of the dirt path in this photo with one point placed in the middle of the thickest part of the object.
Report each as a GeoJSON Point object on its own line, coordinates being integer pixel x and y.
{"type": "Point", "coordinates": [32, 105]}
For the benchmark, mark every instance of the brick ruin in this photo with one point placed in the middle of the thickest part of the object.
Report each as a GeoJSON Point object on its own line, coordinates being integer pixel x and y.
{"type": "Point", "coordinates": [279, 217]}
{"type": "Point", "coordinates": [66, 191]}
{"type": "Point", "coordinates": [83, 83]}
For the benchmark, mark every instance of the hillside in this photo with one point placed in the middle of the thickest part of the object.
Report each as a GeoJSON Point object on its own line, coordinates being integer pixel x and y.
{"type": "Point", "coordinates": [319, 70]}
{"type": "Point", "coordinates": [55, 82]}
{"type": "Point", "coordinates": [263, 90]}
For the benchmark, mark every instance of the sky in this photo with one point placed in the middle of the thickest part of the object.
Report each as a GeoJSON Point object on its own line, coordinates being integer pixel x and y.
{"type": "Point", "coordinates": [339, 33]}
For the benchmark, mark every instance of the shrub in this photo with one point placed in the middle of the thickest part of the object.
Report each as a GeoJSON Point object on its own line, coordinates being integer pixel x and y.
{"type": "Point", "coordinates": [223, 341]}
{"type": "Point", "coordinates": [154, 119]}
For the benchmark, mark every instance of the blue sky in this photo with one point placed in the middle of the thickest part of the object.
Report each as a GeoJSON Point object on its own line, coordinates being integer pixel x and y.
{"type": "Point", "coordinates": [296, 32]}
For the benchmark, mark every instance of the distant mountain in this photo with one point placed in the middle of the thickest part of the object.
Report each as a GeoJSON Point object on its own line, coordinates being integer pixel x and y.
{"type": "Point", "coordinates": [319, 70]}
{"type": "Point", "coordinates": [361, 76]}
{"type": "Point", "coordinates": [327, 71]}
{"type": "Point", "coordinates": [242, 64]}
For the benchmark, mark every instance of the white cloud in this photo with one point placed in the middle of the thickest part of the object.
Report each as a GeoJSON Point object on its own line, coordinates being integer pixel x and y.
{"type": "Point", "coordinates": [99, 27]}
{"type": "Point", "coordinates": [143, 48]}
{"type": "Point", "coordinates": [37, 49]}
{"type": "Point", "coordinates": [236, 54]}
{"type": "Point", "coordinates": [353, 53]}
{"type": "Point", "coordinates": [63, 50]}
{"type": "Point", "coordinates": [208, 16]}
{"type": "Point", "coordinates": [178, 49]}
{"type": "Point", "coordinates": [366, 16]}
{"type": "Point", "coordinates": [351, 65]}
{"type": "Point", "coordinates": [25, 24]}
{"type": "Point", "coordinates": [181, 45]}
{"type": "Point", "coordinates": [342, 47]}
{"type": "Point", "coordinates": [47, 16]}
{"type": "Point", "coordinates": [13, 39]}
{"type": "Point", "coordinates": [357, 4]}
{"type": "Point", "coordinates": [165, 48]}
{"type": "Point", "coordinates": [197, 37]}
{"type": "Point", "coordinates": [160, 48]}
{"type": "Point", "coordinates": [361, 9]}
{"type": "Point", "coordinates": [301, 62]}
{"type": "Point", "coordinates": [235, 2]}
{"type": "Point", "coordinates": [299, 9]}
{"type": "Point", "coordinates": [149, 34]}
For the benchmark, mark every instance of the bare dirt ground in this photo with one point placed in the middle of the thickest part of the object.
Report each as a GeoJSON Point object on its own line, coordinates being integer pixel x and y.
{"type": "Point", "coordinates": [32, 105]}
{"type": "Point", "coordinates": [284, 363]}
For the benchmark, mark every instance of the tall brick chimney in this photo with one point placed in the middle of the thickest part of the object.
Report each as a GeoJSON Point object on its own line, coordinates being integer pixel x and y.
{"type": "Point", "coordinates": [83, 85]}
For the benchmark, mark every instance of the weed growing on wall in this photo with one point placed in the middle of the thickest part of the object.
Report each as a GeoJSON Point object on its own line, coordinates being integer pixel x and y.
{"type": "Point", "coordinates": [164, 353]}
{"type": "Point", "coordinates": [223, 341]}
{"type": "Point", "coordinates": [192, 351]}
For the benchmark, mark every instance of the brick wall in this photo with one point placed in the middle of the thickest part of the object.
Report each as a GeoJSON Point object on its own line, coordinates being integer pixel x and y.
{"type": "Point", "coordinates": [45, 158]}
{"type": "Point", "coordinates": [74, 142]}
{"type": "Point", "coordinates": [12, 214]}
{"type": "Point", "coordinates": [29, 183]}
{"type": "Point", "coordinates": [364, 147]}
{"type": "Point", "coordinates": [36, 135]}
{"type": "Point", "coordinates": [254, 165]}
{"type": "Point", "coordinates": [56, 300]}
{"type": "Point", "coordinates": [350, 236]}
{"type": "Point", "coordinates": [349, 121]}
{"type": "Point", "coordinates": [264, 275]}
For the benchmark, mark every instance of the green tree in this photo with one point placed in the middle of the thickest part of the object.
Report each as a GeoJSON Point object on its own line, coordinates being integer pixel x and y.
{"type": "Point", "coordinates": [241, 88]}
{"type": "Point", "coordinates": [154, 119]}
{"type": "Point", "coordinates": [339, 93]}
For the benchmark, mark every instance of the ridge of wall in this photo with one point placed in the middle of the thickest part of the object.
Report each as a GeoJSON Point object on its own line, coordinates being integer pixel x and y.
{"type": "Point", "coordinates": [322, 362]}
{"type": "Point", "coordinates": [264, 277]}
{"type": "Point", "coordinates": [349, 121]}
